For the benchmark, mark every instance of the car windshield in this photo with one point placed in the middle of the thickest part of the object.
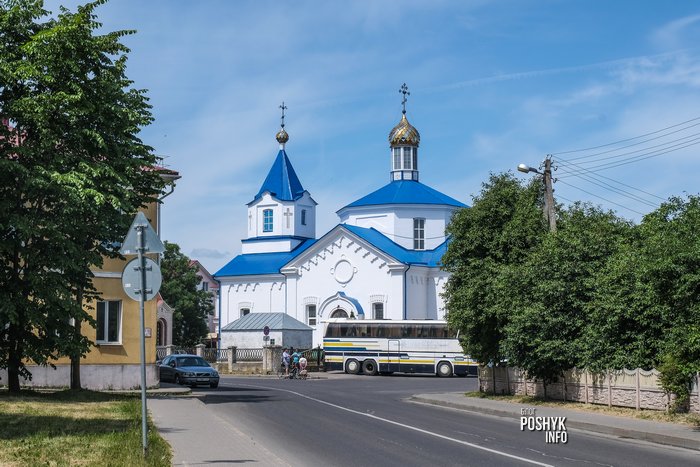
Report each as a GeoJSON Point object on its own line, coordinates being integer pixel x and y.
{"type": "Point", "coordinates": [191, 361]}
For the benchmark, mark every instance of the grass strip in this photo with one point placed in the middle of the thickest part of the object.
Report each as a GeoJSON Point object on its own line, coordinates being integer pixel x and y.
{"type": "Point", "coordinates": [76, 428]}
{"type": "Point", "coordinates": [689, 419]}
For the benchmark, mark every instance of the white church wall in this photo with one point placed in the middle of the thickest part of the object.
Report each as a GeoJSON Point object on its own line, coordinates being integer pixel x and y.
{"type": "Point", "coordinates": [268, 246]}
{"type": "Point", "coordinates": [436, 219]}
{"type": "Point", "coordinates": [259, 294]}
{"type": "Point", "coordinates": [417, 303]}
{"type": "Point", "coordinates": [369, 217]}
{"type": "Point", "coordinates": [396, 222]}
{"type": "Point", "coordinates": [344, 265]}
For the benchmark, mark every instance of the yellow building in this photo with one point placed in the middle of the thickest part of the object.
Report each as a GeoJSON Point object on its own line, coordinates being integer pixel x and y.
{"type": "Point", "coordinates": [114, 362]}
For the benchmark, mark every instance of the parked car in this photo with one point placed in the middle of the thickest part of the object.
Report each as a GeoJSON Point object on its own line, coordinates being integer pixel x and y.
{"type": "Point", "coordinates": [188, 369]}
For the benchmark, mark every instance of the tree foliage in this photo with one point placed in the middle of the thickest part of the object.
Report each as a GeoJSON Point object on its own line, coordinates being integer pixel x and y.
{"type": "Point", "coordinates": [180, 290]}
{"type": "Point", "coordinates": [490, 241]}
{"type": "Point", "coordinates": [73, 173]}
{"type": "Point", "coordinates": [599, 293]}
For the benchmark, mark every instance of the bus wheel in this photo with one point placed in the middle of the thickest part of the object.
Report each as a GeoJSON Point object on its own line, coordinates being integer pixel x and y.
{"type": "Point", "coordinates": [444, 369]}
{"type": "Point", "coordinates": [369, 367]}
{"type": "Point", "coordinates": [352, 366]}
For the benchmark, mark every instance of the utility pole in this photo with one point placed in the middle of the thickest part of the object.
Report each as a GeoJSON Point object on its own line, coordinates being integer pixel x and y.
{"type": "Point", "coordinates": [548, 210]}
{"type": "Point", "coordinates": [549, 194]}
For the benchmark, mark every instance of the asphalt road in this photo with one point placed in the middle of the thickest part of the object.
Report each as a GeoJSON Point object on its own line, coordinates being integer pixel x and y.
{"type": "Point", "coordinates": [366, 421]}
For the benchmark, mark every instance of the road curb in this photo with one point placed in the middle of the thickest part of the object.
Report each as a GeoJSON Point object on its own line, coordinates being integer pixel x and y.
{"type": "Point", "coordinates": [591, 427]}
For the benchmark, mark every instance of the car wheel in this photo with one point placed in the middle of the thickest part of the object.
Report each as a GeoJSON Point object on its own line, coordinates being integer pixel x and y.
{"type": "Point", "coordinates": [213, 385]}
{"type": "Point", "coordinates": [444, 369]}
{"type": "Point", "coordinates": [352, 366]}
{"type": "Point", "coordinates": [369, 367]}
{"type": "Point", "coordinates": [177, 379]}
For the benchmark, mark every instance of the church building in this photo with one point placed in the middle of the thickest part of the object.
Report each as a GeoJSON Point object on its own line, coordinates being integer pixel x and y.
{"type": "Point", "coordinates": [381, 261]}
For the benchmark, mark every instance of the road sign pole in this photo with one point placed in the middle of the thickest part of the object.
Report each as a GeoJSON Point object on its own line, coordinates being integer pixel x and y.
{"type": "Point", "coordinates": [140, 239]}
{"type": "Point", "coordinates": [142, 303]}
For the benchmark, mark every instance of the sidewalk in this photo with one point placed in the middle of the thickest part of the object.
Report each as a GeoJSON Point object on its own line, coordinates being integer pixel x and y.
{"type": "Point", "coordinates": [198, 436]}
{"type": "Point", "coordinates": [656, 432]}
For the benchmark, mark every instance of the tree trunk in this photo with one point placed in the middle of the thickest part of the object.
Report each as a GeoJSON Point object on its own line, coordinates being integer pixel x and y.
{"type": "Point", "coordinates": [14, 361]}
{"type": "Point", "coordinates": [75, 362]}
{"type": "Point", "coordinates": [75, 358]}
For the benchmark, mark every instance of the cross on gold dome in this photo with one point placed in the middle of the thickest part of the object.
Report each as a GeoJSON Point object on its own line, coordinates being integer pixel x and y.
{"type": "Point", "coordinates": [404, 91]}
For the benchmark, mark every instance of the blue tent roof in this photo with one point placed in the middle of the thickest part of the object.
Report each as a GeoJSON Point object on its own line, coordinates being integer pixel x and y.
{"type": "Point", "coordinates": [261, 263]}
{"type": "Point", "coordinates": [406, 192]}
{"type": "Point", "coordinates": [380, 241]}
{"type": "Point", "coordinates": [281, 181]}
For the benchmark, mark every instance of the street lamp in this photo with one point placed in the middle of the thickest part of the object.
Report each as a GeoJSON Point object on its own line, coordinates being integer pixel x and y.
{"type": "Point", "coordinates": [548, 210]}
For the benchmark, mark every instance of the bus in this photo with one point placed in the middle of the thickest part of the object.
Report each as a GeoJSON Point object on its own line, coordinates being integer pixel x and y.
{"type": "Point", "coordinates": [383, 347]}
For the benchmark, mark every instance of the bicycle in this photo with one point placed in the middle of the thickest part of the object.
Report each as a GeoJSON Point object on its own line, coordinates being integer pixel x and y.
{"type": "Point", "coordinates": [293, 373]}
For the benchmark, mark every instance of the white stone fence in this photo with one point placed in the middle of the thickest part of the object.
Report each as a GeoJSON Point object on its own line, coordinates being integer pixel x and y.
{"type": "Point", "coordinates": [639, 389]}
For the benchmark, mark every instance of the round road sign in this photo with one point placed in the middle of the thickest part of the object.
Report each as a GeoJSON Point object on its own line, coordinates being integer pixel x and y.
{"type": "Point", "coordinates": [131, 279]}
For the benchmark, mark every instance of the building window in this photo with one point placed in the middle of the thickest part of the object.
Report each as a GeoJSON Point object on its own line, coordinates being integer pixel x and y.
{"type": "Point", "coordinates": [377, 310]}
{"type": "Point", "coordinates": [244, 311]}
{"type": "Point", "coordinates": [267, 220]}
{"type": "Point", "coordinates": [418, 234]}
{"type": "Point", "coordinates": [205, 286]}
{"type": "Point", "coordinates": [407, 158]}
{"type": "Point", "coordinates": [109, 322]}
{"type": "Point", "coordinates": [415, 158]}
{"type": "Point", "coordinates": [311, 315]}
{"type": "Point", "coordinates": [397, 158]}
{"type": "Point", "coordinates": [303, 217]}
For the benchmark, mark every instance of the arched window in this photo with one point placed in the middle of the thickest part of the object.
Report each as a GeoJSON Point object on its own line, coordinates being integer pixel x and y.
{"type": "Point", "coordinates": [267, 220]}
{"type": "Point", "coordinates": [339, 313]}
{"type": "Point", "coordinates": [303, 217]}
{"type": "Point", "coordinates": [161, 332]}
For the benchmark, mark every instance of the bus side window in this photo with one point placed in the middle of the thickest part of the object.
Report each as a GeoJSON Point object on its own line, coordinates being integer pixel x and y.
{"type": "Point", "coordinates": [332, 330]}
{"type": "Point", "coordinates": [394, 331]}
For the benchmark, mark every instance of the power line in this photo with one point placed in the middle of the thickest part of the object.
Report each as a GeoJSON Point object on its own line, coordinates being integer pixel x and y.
{"type": "Point", "coordinates": [615, 190]}
{"type": "Point", "coordinates": [678, 140]}
{"type": "Point", "coordinates": [598, 177]}
{"type": "Point", "coordinates": [625, 140]}
{"type": "Point", "coordinates": [629, 160]}
{"type": "Point", "coordinates": [604, 199]}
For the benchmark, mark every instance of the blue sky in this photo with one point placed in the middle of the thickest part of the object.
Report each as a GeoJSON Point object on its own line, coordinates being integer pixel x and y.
{"type": "Point", "coordinates": [493, 84]}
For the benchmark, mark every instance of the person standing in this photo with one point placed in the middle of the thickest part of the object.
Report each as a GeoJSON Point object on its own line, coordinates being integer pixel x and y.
{"type": "Point", "coordinates": [285, 361]}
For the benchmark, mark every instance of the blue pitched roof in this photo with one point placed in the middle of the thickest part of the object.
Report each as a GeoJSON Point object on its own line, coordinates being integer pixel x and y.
{"type": "Point", "coordinates": [406, 192]}
{"type": "Point", "coordinates": [375, 238]}
{"type": "Point", "coordinates": [261, 263]}
{"type": "Point", "coordinates": [282, 181]}
{"type": "Point", "coordinates": [271, 263]}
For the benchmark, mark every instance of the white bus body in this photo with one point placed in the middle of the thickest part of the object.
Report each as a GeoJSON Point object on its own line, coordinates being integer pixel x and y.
{"type": "Point", "coordinates": [385, 346]}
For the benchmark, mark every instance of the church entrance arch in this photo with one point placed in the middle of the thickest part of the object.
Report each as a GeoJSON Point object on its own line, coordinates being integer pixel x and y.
{"type": "Point", "coordinates": [341, 306]}
{"type": "Point", "coordinates": [339, 313]}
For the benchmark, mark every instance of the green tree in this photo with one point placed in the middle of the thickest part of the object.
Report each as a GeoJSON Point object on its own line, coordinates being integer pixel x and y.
{"type": "Point", "coordinates": [73, 173]}
{"type": "Point", "coordinates": [489, 242]}
{"type": "Point", "coordinates": [672, 270]}
{"type": "Point", "coordinates": [546, 334]}
{"type": "Point", "coordinates": [180, 290]}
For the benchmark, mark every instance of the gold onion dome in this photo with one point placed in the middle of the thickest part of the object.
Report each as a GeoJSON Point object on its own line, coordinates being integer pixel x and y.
{"type": "Point", "coordinates": [282, 136]}
{"type": "Point", "coordinates": [404, 134]}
